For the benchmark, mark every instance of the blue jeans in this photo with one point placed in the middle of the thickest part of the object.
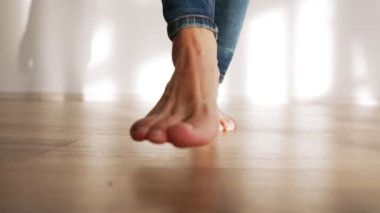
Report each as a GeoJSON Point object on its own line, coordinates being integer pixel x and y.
{"type": "Point", "coordinates": [223, 17]}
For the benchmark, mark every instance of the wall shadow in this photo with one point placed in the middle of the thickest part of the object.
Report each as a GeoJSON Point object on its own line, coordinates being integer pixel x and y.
{"type": "Point", "coordinates": [357, 50]}
{"type": "Point", "coordinates": [55, 48]}
{"type": "Point", "coordinates": [58, 44]}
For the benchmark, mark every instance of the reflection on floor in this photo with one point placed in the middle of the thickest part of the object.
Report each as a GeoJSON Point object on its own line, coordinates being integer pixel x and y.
{"type": "Point", "coordinates": [78, 157]}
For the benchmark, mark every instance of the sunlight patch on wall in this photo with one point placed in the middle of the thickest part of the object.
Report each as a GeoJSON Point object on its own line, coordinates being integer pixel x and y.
{"type": "Point", "coordinates": [101, 45]}
{"type": "Point", "coordinates": [362, 91]}
{"type": "Point", "coordinates": [26, 7]}
{"type": "Point", "coordinates": [99, 81]}
{"type": "Point", "coordinates": [104, 90]}
{"type": "Point", "coordinates": [313, 49]}
{"type": "Point", "coordinates": [223, 93]}
{"type": "Point", "coordinates": [152, 77]}
{"type": "Point", "coordinates": [267, 68]}
{"type": "Point", "coordinates": [364, 96]}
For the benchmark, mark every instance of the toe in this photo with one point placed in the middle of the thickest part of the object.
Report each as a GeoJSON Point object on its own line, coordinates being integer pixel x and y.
{"type": "Point", "coordinates": [140, 133]}
{"type": "Point", "coordinates": [140, 128]}
{"type": "Point", "coordinates": [226, 124]}
{"type": "Point", "coordinates": [158, 132]}
{"type": "Point", "coordinates": [193, 133]}
{"type": "Point", "coordinates": [157, 136]}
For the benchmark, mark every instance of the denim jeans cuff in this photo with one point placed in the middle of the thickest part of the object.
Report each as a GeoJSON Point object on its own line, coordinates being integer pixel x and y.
{"type": "Point", "coordinates": [191, 21]}
{"type": "Point", "coordinates": [221, 78]}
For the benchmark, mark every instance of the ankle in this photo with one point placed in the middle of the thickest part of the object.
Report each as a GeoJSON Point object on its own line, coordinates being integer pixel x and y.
{"type": "Point", "coordinates": [196, 41]}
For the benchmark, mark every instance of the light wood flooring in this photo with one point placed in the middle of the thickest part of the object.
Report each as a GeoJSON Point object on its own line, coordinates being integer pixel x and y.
{"type": "Point", "coordinates": [78, 157]}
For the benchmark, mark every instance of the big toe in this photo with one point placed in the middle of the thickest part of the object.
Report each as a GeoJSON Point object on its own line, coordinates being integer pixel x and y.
{"type": "Point", "coordinates": [190, 135]}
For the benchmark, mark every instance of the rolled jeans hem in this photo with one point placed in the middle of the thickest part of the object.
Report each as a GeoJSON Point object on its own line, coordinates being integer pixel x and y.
{"type": "Point", "coordinates": [191, 21]}
{"type": "Point", "coordinates": [221, 78]}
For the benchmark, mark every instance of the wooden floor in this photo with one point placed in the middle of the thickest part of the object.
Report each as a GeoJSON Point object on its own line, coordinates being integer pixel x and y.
{"type": "Point", "coordinates": [79, 157]}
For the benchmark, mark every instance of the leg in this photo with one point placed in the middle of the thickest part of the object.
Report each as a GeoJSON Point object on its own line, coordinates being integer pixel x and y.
{"type": "Point", "coordinates": [187, 114]}
{"type": "Point", "coordinates": [229, 17]}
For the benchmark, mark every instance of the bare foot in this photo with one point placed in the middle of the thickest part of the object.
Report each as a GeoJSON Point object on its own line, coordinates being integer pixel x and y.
{"type": "Point", "coordinates": [187, 113]}
{"type": "Point", "coordinates": [226, 122]}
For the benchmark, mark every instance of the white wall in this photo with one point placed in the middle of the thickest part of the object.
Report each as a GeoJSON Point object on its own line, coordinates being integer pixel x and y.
{"type": "Point", "coordinates": [290, 50]}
